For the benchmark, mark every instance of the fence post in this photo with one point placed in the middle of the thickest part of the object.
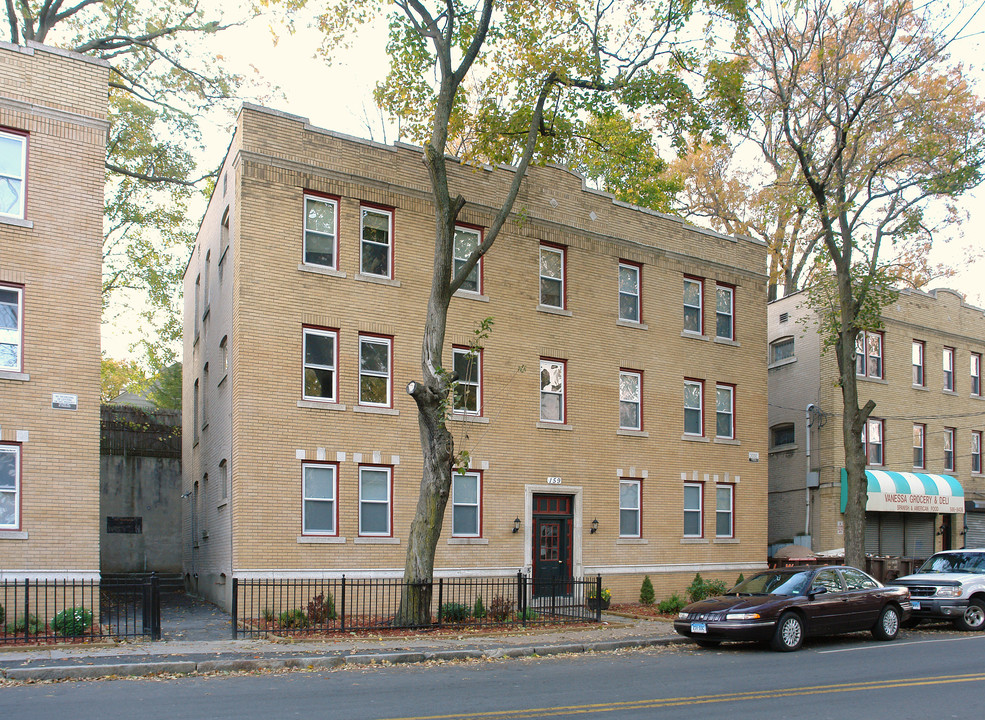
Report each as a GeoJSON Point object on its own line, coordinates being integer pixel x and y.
{"type": "Point", "coordinates": [235, 608]}
{"type": "Point", "coordinates": [27, 608]}
{"type": "Point", "coordinates": [342, 606]}
{"type": "Point", "coordinates": [155, 596]}
{"type": "Point", "coordinates": [146, 624]}
{"type": "Point", "coordinates": [441, 597]}
{"type": "Point", "coordinates": [598, 598]}
{"type": "Point", "coordinates": [521, 598]}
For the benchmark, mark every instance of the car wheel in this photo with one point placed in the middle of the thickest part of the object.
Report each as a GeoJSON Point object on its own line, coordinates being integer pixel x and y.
{"type": "Point", "coordinates": [789, 633]}
{"type": "Point", "coordinates": [887, 626]}
{"type": "Point", "coordinates": [708, 643]}
{"type": "Point", "coordinates": [973, 617]}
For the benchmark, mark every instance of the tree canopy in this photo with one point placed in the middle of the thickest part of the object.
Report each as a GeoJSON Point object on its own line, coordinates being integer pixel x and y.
{"type": "Point", "coordinates": [882, 125]}
{"type": "Point", "coordinates": [162, 82]}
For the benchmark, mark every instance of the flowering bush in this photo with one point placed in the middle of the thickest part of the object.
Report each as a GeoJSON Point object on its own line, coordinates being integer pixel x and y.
{"type": "Point", "coordinates": [72, 622]}
{"type": "Point", "coordinates": [606, 595]}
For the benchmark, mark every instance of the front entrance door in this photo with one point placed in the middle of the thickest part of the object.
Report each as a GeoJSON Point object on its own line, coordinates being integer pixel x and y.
{"type": "Point", "coordinates": [552, 521]}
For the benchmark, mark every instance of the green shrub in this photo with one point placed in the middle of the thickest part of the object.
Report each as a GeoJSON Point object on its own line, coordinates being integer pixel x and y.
{"type": "Point", "coordinates": [72, 622]}
{"type": "Point", "coordinates": [321, 610]}
{"type": "Point", "coordinates": [453, 612]}
{"type": "Point", "coordinates": [18, 625]}
{"type": "Point", "coordinates": [3, 614]}
{"type": "Point", "coordinates": [646, 591]}
{"type": "Point", "coordinates": [674, 604]}
{"type": "Point", "coordinates": [500, 609]}
{"type": "Point", "coordinates": [701, 589]}
{"type": "Point", "coordinates": [293, 619]}
{"type": "Point", "coordinates": [479, 610]}
{"type": "Point", "coordinates": [528, 615]}
{"type": "Point", "coordinates": [269, 615]}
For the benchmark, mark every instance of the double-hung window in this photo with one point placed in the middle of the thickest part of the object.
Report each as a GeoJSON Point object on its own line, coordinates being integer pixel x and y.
{"type": "Point", "coordinates": [693, 522]}
{"type": "Point", "coordinates": [781, 435]}
{"type": "Point", "coordinates": [13, 173]}
{"type": "Point", "coordinates": [374, 370]}
{"type": "Point", "coordinates": [376, 242]}
{"type": "Point", "coordinates": [11, 328]}
{"type": "Point", "coordinates": [724, 499]}
{"type": "Point", "coordinates": [725, 411]}
{"type": "Point", "coordinates": [630, 400]}
{"type": "Point", "coordinates": [976, 451]}
{"type": "Point", "coordinates": [319, 490]}
{"type": "Point", "coordinates": [321, 222]}
{"type": "Point", "coordinates": [872, 439]}
{"type": "Point", "coordinates": [919, 446]}
{"type": "Point", "coordinates": [976, 374]}
{"type": "Point", "coordinates": [781, 349]}
{"type": "Point", "coordinates": [919, 380]}
{"type": "Point", "coordinates": [725, 312]}
{"type": "Point", "coordinates": [466, 241]}
{"type": "Point", "coordinates": [948, 365]}
{"type": "Point", "coordinates": [320, 364]}
{"type": "Point", "coordinates": [468, 390]}
{"type": "Point", "coordinates": [949, 437]}
{"type": "Point", "coordinates": [693, 291]}
{"type": "Point", "coordinates": [552, 271]}
{"type": "Point", "coordinates": [10, 485]}
{"type": "Point", "coordinates": [629, 508]}
{"type": "Point", "coordinates": [868, 354]}
{"type": "Point", "coordinates": [374, 500]}
{"type": "Point", "coordinates": [629, 292]}
{"type": "Point", "coordinates": [466, 498]}
{"type": "Point", "coordinates": [552, 405]}
{"type": "Point", "coordinates": [693, 407]}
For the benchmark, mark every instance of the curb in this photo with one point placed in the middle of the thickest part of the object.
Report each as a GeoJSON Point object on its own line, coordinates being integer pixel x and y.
{"type": "Point", "coordinates": [318, 662]}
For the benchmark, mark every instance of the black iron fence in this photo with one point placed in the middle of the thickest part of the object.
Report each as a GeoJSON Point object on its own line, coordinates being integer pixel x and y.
{"type": "Point", "coordinates": [296, 606]}
{"type": "Point", "coordinates": [45, 611]}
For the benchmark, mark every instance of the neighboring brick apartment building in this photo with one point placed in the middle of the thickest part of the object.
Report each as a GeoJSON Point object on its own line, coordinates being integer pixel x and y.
{"type": "Point", "coordinates": [624, 381]}
{"type": "Point", "coordinates": [923, 440]}
{"type": "Point", "coordinates": [53, 129]}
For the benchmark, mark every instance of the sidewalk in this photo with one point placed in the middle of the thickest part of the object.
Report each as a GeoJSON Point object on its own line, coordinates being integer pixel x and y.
{"type": "Point", "coordinates": [181, 656]}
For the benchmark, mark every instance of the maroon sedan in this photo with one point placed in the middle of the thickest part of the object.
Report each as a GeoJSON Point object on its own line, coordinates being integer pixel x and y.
{"type": "Point", "coordinates": [785, 605]}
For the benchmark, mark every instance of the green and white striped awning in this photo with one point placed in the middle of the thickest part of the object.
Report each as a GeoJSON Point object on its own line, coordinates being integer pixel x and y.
{"type": "Point", "coordinates": [908, 492]}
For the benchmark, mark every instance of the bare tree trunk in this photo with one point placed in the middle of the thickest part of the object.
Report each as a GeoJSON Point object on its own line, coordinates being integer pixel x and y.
{"type": "Point", "coordinates": [853, 420]}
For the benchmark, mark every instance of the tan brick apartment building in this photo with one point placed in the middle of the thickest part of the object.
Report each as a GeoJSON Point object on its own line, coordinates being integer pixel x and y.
{"type": "Point", "coordinates": [924, 372]}
{"type": "Point", "coordinates": [52, 157]}
{"type": "Point", "coordinates": [623, 381]}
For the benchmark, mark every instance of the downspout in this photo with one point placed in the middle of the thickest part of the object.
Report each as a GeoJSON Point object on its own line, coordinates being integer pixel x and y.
{"type": "Point", "coordinates": [807, 477]}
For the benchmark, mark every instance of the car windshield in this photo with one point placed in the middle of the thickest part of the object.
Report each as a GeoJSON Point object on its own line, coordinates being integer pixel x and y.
{"type": "Point", "coordinates": [776, 582]}
{"type": "Point", "coordinates": [953, 562]}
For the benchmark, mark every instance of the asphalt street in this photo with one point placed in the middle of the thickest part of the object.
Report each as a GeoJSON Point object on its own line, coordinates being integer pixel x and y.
{"type": "Point", "coordinates": [926, 673]}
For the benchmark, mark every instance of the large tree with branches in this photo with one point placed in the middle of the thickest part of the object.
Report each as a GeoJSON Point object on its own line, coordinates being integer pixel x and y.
{"type": "Point", "coordinates": [885, 129]}
{"type": "Point", "coordinates": [546, 71]}
{"type": "Point", "coordinates": [160, 87]}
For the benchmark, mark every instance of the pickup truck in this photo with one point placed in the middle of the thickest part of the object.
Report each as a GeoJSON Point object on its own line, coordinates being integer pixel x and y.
{"type": "Point", "coordinates": [949, 586]}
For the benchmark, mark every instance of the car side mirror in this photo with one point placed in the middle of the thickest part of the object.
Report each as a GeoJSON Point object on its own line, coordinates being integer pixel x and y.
{"type": "Point", "coordinates": [815, 591]}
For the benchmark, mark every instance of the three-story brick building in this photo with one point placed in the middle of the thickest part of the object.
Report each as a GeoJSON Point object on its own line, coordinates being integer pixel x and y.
{"type": "Point", "coordinates": [923, 440]}
{"type": "Point", "coordinates": [52, 166]}
{"type": "Point", "coordinates": [615, 416]}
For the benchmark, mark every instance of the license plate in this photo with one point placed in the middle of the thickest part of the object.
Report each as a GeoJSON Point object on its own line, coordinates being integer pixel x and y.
{"type": "Point", "coordinates": [699, 628]}
{"type": "Point", "coordinates": [915, 604]}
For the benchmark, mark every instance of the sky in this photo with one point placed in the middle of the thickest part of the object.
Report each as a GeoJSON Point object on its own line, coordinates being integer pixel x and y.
{"type": "Point", "coordinates": [339, 97]}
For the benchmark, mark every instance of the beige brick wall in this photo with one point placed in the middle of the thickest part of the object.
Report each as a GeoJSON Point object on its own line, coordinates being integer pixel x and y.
{"type": "Point", "coordinates": [258, 419]}
{"type": "Point", "coordinates": [54, 255]}
{"type": "Point", "coordinates": [939, 318]}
